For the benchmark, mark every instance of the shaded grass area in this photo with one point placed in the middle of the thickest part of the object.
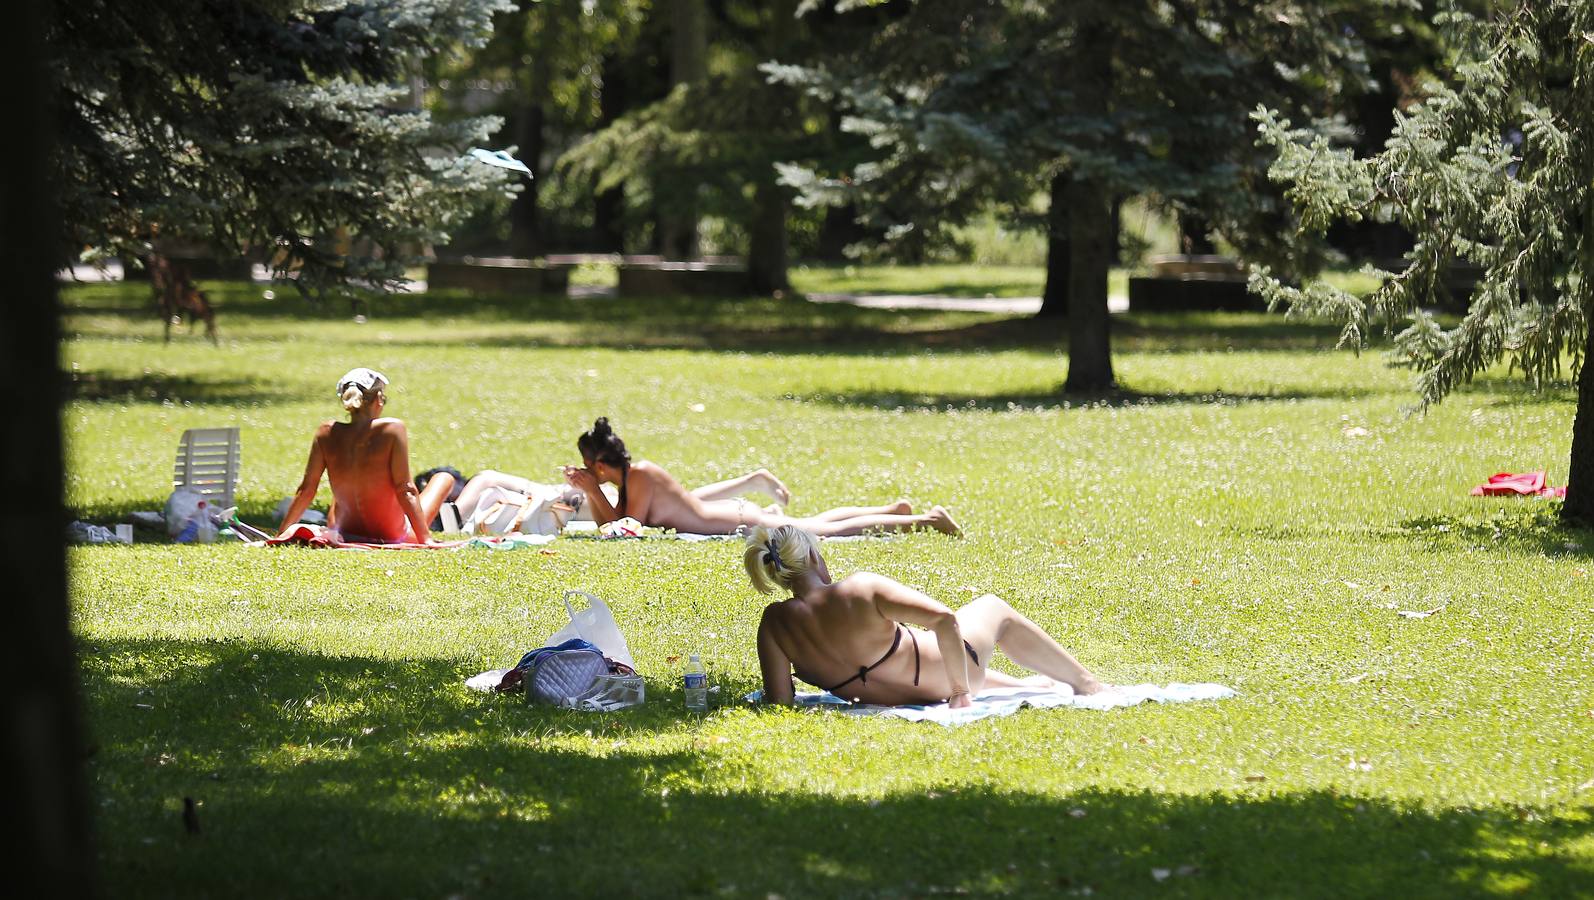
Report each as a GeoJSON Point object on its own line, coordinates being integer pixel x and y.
{"type": "Point", "coordinates": [395, 787]}
{"type": "Point", "coordinates": [1252, 508]}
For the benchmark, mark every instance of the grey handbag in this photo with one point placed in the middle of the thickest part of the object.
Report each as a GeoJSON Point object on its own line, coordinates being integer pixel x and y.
{"type": "Point", "coordinates": [561, 677]}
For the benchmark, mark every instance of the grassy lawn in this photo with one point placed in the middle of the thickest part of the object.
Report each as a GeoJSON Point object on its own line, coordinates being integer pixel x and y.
{"type": "Point", "coordinates": [1255, 509]}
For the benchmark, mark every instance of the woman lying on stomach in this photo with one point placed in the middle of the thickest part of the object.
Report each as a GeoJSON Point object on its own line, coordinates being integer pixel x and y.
{"type": "Point", "coordinates": [367, 460]}
{"type": "Point", "coordinates": [856, 637]}
{"type": "Point", "coordinates": [652, 496]}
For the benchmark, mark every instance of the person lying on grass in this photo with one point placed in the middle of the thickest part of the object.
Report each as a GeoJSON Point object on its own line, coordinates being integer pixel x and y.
{"type": "Point", "coordinates": [855, 637]}
{"type": "Point", "coordinates": [367, 460]}
{"type": "Point", "coordinates": [652, 496]}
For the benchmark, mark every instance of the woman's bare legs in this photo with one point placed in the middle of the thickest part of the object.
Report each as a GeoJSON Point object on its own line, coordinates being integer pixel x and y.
{"type": "Point", "coordinates": [988, 622]}
{"type": "Point", "coordinates": [437, 488]}
{"type": "Point", "coordinates": [471, 495]}
{"type": "Point", "coordinates": [899, 508]}
{"type": "Point", "coordinates": [762, 481]}
{"type": "Point", "coordinates": [937, 518]}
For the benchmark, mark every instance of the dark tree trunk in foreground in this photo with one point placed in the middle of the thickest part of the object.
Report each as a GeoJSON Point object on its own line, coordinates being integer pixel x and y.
{"type": "Point", "coordinates": [1579, 506]}
{"type": "Point", "coordinates": [1059, 251]}
{"type": "Point", "coordinates": [42, 756]}
{"type": "Point", "coordinates": [1089, 204]}
{"type": "Point", "coordinates": [766, 254]}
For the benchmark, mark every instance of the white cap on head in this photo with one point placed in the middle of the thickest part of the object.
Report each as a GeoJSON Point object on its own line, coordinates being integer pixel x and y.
{"type": "Point", "coordinates": [365, 379]}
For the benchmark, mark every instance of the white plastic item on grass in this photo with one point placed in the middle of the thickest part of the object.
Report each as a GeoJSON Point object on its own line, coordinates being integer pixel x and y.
{"type": "Point", "coordinates": [182, 508]}
{"type": "Point", "coordinates": [595, 625]}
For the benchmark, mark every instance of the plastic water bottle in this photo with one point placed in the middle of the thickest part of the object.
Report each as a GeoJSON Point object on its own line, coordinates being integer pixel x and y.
{"type": "Point", "coordinates": [696, 682]}
{"type": "Point", "coordinates": [195, 530]}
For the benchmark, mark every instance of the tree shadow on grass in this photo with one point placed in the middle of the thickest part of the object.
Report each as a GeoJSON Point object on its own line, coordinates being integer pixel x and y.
{"type": "Point", "coordinates": [1057, 399]}
{"type": "Point", "coordinates": [256, 512]}
{"type": "Point", "coordinates": [1526, 525]}
{"type": "Point", "coordinates": [737, 324]}
{"type": "Point", "coordinates": [331, 776]}
{"type": "Point", "coordinates": [159, 388]}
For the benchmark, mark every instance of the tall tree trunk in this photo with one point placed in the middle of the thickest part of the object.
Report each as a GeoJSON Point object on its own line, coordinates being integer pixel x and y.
{"type": "Point", "coordinates": [1579, 506]}
{"type": "Point", "coordinates": [1059, 251]}
{"type": "Point", "coordinates": [767, 251]}
{"type": "Point", "coordinates": [677, 222]}
{"type": "Point", "coordinates": [608, 207]}
{"type": "Point", "coordinates": [1089, 204]}
{"type": "Point", "coordinates": [525, 219]}
{"type": "Point", "coordinates": [837, 231]}
{"type": "Point", "coordinates": [41, 746]}
{"type": "Point", "coordinates": [1193, 237]}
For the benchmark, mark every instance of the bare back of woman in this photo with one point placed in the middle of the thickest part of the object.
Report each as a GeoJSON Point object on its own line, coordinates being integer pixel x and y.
{"type": "Point", "coordinates": [855, 637]}
{"type": "Point", "coordinates": [359, 462]}
{"type": "Point", "coordinates": [367, 459]}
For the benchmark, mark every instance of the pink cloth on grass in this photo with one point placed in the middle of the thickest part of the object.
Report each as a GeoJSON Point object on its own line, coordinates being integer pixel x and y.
{"type": "Point", "coordinates": [304, 535]}
{"type": "Point", "coordinates": [1528, 484]}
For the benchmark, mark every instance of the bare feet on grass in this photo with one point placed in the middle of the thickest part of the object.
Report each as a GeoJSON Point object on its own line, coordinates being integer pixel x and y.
{"type": "Point", "coordinates": [941, 520]}
{"type": "Point", "coordinates": [1089, 686]}
{"type": "Point", "coordinates": [774, 487]}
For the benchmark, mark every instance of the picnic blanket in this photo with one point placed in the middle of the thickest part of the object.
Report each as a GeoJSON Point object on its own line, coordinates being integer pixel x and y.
{"type": "Point", "coordinates": [589, 529]}
{"type": "Point", "coordinates": [1006, 701]}
{"type": "Point", "coordinates": [304, 535]}
{"type": "Point", "coordinates": [1528, 484]}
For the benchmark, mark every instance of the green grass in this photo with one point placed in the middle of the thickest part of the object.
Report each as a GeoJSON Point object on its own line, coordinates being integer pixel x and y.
{"type": "Point", "coordinates": [1223, 519]}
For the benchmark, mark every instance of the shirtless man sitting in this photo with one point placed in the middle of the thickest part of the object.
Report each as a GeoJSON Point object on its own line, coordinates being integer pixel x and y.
{"type": "Point", "coordinates": [653, 496]}
{"type": "Point", "coordinates": [856, 637]}
{"type": "Point", "coordinates": [367, 460]}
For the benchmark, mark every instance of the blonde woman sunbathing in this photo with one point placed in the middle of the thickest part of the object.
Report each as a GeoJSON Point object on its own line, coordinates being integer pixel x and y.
{"type": "Point", "coordinates": [367, 460]}
{"type": "Point", "coordinates": [856, 637]}
{"type": "Point", "coordinates": [652, 496]}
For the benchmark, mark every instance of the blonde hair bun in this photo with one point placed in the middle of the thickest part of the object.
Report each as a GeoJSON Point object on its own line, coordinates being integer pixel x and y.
{"type": "Point", "coordinates": [777, 556]}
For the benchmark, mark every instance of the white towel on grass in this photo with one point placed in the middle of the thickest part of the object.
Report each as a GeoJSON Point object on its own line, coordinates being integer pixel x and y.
{"type": "Point", "coordinates": [1006, 701]}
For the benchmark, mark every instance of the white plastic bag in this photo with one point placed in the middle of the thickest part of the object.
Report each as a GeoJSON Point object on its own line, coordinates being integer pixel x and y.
{"type": "Point", "coordinates": [188, 517]}
{"type": "Point", "coordinates": [595, 624]}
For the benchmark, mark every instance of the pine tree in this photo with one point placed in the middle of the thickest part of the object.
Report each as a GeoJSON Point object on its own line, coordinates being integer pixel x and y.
{"type": "Point", "coordinates": [268, 126]}
{"type": "Point", "coordinates": [1495, 170]}
{"type": "Point", "coordinates": [978, 102]}
{"type": "Point", "coordinates": [713, 144]}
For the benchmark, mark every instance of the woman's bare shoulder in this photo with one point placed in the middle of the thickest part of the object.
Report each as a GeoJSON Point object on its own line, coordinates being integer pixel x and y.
{"type": "Point", "coordinates": [781, 611]}
{"type": "Point", "coordinates": [651, 471]}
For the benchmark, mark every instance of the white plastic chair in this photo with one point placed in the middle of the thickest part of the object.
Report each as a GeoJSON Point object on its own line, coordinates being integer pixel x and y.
{"type": "Point", "coordinates": [207, 461]}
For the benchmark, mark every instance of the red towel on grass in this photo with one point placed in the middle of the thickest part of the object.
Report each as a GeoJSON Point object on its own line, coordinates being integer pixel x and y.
{"type": "Point", "coordinates": [304, 535]}
{"type": "Point", "coordinates": [1529, 484]}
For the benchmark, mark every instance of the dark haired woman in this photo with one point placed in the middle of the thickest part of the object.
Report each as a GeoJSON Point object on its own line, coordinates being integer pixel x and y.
{"type": "Point", "coordinates": [652, 496]}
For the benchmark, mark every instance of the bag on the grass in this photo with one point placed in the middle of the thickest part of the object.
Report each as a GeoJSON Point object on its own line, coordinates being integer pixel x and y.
{"type": "Point", "coordinates": [576, 675]}
{"type": "Point", "coordinates": [563, 675]}
{"type": "Point", "coordinates": [595, 623]}
{"type": "Point", "coordinates": [502, 511]}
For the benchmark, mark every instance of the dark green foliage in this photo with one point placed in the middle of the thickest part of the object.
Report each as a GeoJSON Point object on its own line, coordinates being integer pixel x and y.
{"type": "Point", "coordinates": [973, 102]}
{"type": "Point", "coordinates": [271, 126]}
{"type": "Point", "coordinates": [1491, 171]}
